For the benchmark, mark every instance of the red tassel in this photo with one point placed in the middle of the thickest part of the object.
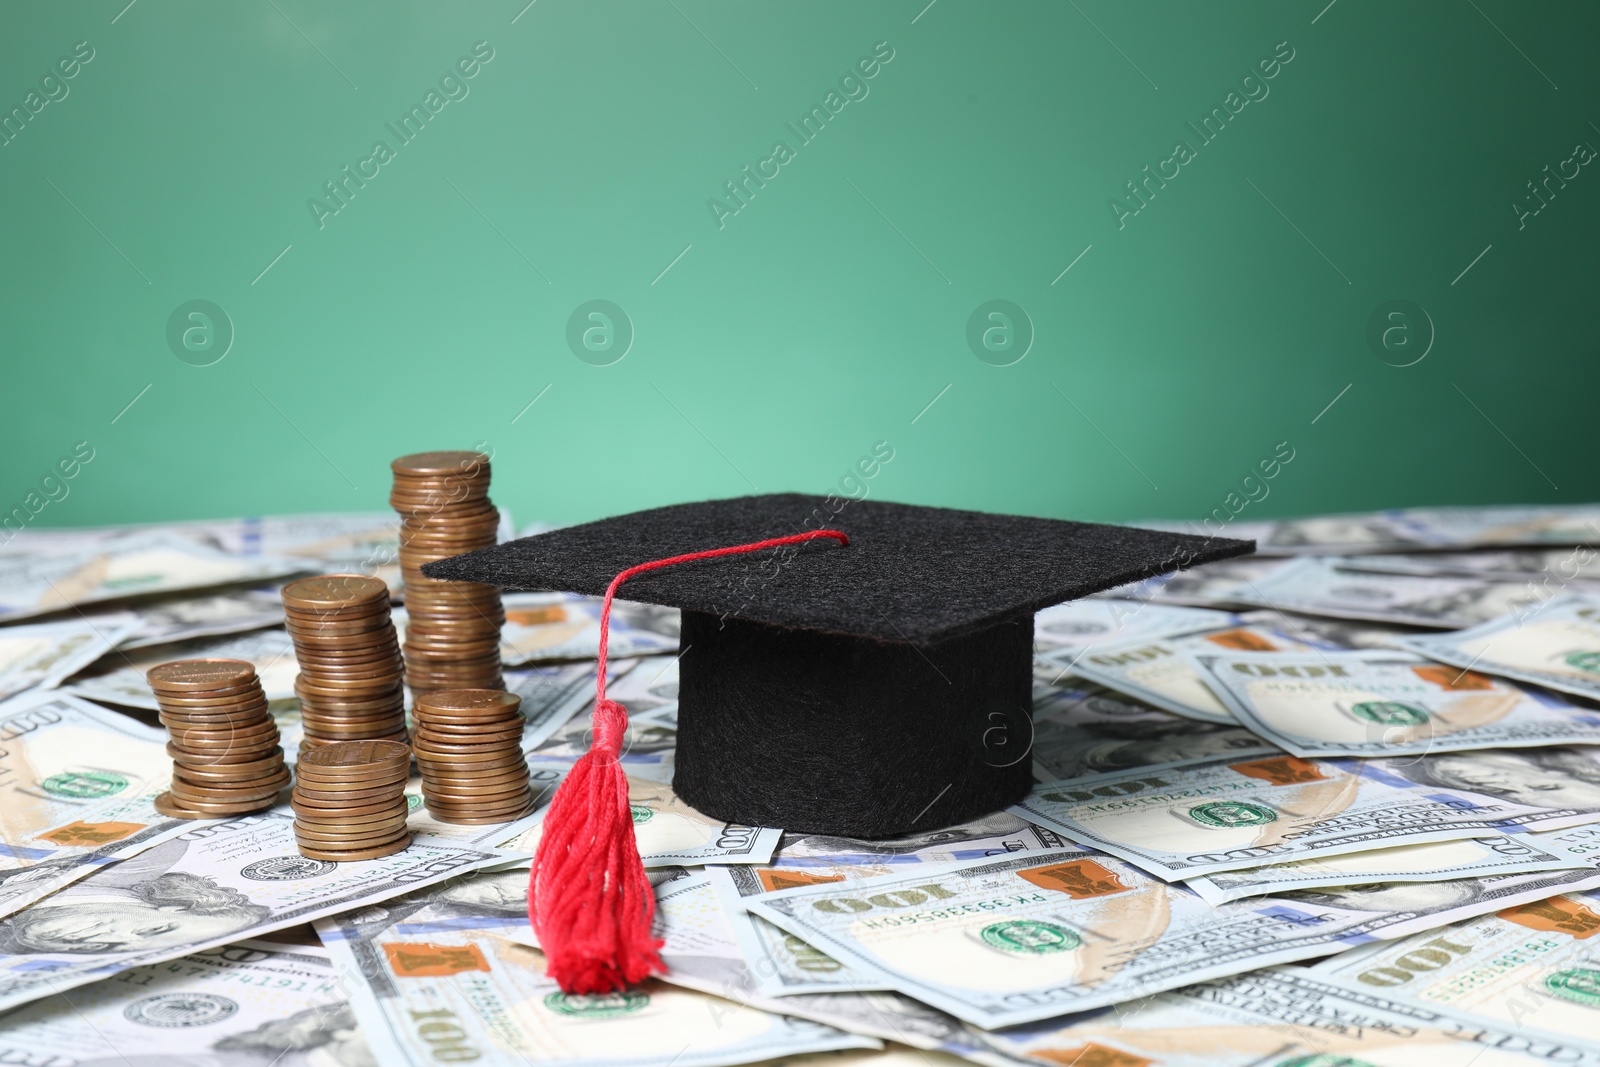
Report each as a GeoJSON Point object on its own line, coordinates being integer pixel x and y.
{"type": "Point", "coordinates": [588, 897]}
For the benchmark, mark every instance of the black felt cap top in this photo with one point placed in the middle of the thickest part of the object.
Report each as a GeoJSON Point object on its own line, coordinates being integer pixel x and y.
{"type": "Point", "coordinates": [910, 574]}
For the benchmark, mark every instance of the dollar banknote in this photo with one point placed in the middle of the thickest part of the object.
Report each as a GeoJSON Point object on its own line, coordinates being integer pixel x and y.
{"type": "Point", "coordinates": [139, 564]}
{"type": "Point", "coordinates": [254, 1002]}
{"type": "Point", "coordinates": [1157, 670]}
{"type": "Point", "coordinates": [668, 831]}
{"type": "Point", "coordinates": [1368, 703]}
{"type": "Point", "coordinates": [1037, 935]}
{"type": "Point", "coordinates": [46, 653]}
{"type": "Point", "coordinates": [1556, 645]}
{"type": "Point", "coordinates": [650, 743]}
{"type": "Point", "coordinates": [78, 783]}
{"type": "Point", "coordinates": [184, 618]}
{"type": "Point", "coordinates": [1533, 969]}
{"type": "Point", "coordinates": [1319, 585]}
{"type": "Point", "coordinates": [1512, 564]}
{"type": "Point", "coordinates": [700, 953]}
{"type": "Point", "coordinates": [1064, 631]}
{"type": "Point", "coordinates": [787, 965]}
{"type": "Point", "coordinates": [121, 678]}
{"type": "Point", "coordinates": [437, 976]}
{"type": "Point", "coordinates": [213, 884]}
{"type": "Point", "coordinates": [1081, 727]}
{"type": "Point", "coordinates": [544, 627]}
{"type": "Point", "coordinates": [1283, 1017]}
{"type": "Point", "coordinates": [1402, 529]}
{"type": "Point", "coordinates": [1210, 585]}
{"type": "Point", "coordinates": [1224, 813]}
{"type": "Point", "coordinates": [553, 694]}
{"type": "Point", "coordinates": [1473, 857]}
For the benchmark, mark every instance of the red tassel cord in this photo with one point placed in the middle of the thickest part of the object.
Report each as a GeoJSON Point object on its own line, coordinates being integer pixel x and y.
{"type": "Point", "coordinates": [588, 898]}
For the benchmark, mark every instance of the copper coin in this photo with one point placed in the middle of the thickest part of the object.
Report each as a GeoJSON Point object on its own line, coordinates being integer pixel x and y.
{"type": "Point", "coordinates": [256, 707]}
{"type": "Point", "coordinates": [471, 734]}
{"type": "Point", "coordinates": [360, 753]}
{"type": "Point", "coordinates": [442, 770]}
{"type": "Point", "coordinates": [377, 826]}
{"type": "Point", "coordinates": [239, 733]}
{"type": "Point", "coordinates": [435, 464]}
{"type": "Point", "coordinates": [506, 780]}
{"type": "Point", "coordinates": [202, 766]}
{"type": "Point", "coordinates": [461, 820]}
{"type": "Point", "coordinates": [333, 591]}
{"type": "Point", "coordinates": [193, 797]}
{"type": "Point", "coordinates": [313, 788]}
{"type": "Point", "coordinates": [377, 852]}
{"type": "Point", "coordinates": [473, 773]}
{"type": "Point", "coordinates": [435, 747]}
{"type": "Point", "coordinates": [372, 808]}
{"type": "Point", "coordinates": [217, 809]}
{"type": "Point", "coordinates": [377, 606]}
{"type": "Point", "coordinates": [310, 774]}
{"type": "Point", "coordinates": [206, 698]}
{"type": "Point", "coordinates": [317, 795]}
{"type": "Point", "coordinates": [190, 675]}
{"type": "Point", "coordinates": [216, 758]}
{"type": "Point", "coordinates": [514, 808]}
{"type": "Point", "coordinates": [203, 776]}
{"type": "Point", "coordinates": [166, 805]}
{"type": "Point", "coordinates": [486, 798]}
{"type": "Point", "coordinates": [334, 731]}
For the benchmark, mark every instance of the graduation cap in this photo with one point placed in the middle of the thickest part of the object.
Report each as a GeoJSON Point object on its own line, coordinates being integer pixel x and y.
{"type": "Point", "coordinates": [869, 679]}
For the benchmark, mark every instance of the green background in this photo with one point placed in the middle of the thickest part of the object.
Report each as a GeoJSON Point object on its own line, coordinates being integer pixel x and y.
{"type": "Point", "coordinates": [828, 313]}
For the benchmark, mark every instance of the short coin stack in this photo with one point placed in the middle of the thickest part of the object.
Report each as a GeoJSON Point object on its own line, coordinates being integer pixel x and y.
{"type": "Point", "coordinates": [350, 800]}
{"type": "Point", "coordinates": [468, 744]}
{"type": "Point", "coordinates": [453, 632]}
{"type": "Point", "coordinates": [352, 681]}
{"type": "Point", "coordinates": [225, 754]}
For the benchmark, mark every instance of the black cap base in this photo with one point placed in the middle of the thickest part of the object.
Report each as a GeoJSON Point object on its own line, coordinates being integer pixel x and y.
{"type": "Point", "coordinates": [822, 733]}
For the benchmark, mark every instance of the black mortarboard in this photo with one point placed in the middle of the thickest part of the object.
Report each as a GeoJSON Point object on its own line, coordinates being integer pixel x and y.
{"type": "Point", "coordinates": [863, 690]}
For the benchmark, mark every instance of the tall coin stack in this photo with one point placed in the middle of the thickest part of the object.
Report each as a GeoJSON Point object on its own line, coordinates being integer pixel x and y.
{"type": "Point", "coordinates": [352, 681]}
{"type": "Point", "coordinates": [468, 744]}
{"type": "Point", "coordinates": [225, 754]}
{"type": "Point", "coordinates": [350, 800]}
{"type": "Point", "coordinates": [453, 636]}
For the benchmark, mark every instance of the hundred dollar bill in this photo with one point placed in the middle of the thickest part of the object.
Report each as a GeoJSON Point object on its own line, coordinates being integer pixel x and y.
{"type": "Point", "coordinates": [1555, 645]}
{"type": "Point", "coordinates": [77, 785]}
{"type": "Point", "coordinates": [1224, 814]}
{"type": "Point", "coordinates": [1514, 564]}
{"type": "Point", "coordinates": [1327, 632]}
{"type": "Point", "coordinates": [254, 1002]}
{"type": "Point", "coordinates": [135, 565]}
{"type": "Point", "coordinates": [216, 883]}
{"type": "Point", "coordinates": [1370, 703]}
{"type": "Point", "coordinates": [542, 627]}
{"type": "Point", "coordinates": [1283, 1017]}
{"type": "Point", "coordinates": [184, 618]}
{"type": "Point", "coordinates": [271, 651]}
{"type": "Point", "coordinates": [1037, 935]}
{"type": "Point", "coordinates": [1322, 586]}
{"type": "Point", "coordinates": [700, 953]}
{"type": "Point", "coordinates": [552, 695]}
{"type": "Point", "coordinates": [44, 654]}
{"type": "Point", "coordinates": [1210, 585]}
{"type": "Point", "coordinates": [650, 743]}
{"type": "Point", "coordinates": [786, 964]}
{"type": "Point", "coordinates": [439, 976]}
{"type": "Point", "coordinates": [1078, 625]}
{"type": "Point", "coordinates": [1081, 727]}
{"type": "Point", "coordinates": [1401, 529]}
{"type": "Point", "coordinates": [1157, 670]}
{"type": "Point", "coordinates": [668, 831]}
{"type": "Point", "coordinates": [1533, 969]}
{"type": "Point", "coordinates": [1440, 861]}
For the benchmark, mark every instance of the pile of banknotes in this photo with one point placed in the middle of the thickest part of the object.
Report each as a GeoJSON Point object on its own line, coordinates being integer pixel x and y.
{"type": "Point", "coordinates": [1336, 804]}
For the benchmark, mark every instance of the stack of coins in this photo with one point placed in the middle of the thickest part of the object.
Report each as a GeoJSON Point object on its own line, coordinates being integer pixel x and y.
{"type": "Point", "coordinates": [352, 681]}
{"type": "Point", "coordinates": [453, 636]}
{"type": "Point", "coordinates": [350, 800]}
{"type": "Point", "coordinates": [468, 745]}
{"type": "Point", "coordinates": [224, 748]}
